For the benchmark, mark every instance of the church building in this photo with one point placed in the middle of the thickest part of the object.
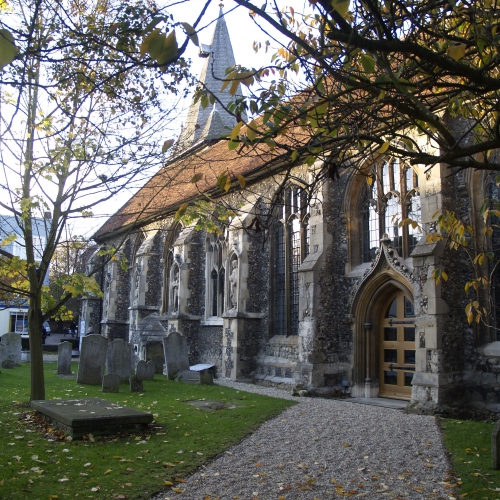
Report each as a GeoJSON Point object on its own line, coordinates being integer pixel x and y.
{"type": "Point", "coordinates": [316, 288]}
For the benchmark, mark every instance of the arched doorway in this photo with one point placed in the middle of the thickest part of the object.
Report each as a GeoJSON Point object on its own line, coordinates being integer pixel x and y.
{"type": "Point", "coordinates": [396, 346]}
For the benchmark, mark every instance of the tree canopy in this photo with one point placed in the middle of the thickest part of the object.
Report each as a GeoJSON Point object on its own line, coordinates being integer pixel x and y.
{"type": "Point", "coordinates": [376, 75]}
{"type": "Point", "coordinates": [83, 115]}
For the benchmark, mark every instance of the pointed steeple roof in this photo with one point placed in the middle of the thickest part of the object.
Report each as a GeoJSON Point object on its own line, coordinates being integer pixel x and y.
{"type": "Point", "coordinates": [213, 121]}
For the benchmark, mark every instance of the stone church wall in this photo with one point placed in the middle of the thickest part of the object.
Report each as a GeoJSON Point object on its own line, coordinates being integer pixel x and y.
{"type": "Point", "coordinates": [334, 335]}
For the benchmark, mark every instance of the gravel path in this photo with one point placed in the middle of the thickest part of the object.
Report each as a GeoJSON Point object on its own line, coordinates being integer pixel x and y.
{"type": "Point", "coordinates": [322, 449]}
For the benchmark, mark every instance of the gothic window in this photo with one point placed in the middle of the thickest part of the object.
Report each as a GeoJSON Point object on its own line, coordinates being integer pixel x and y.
{"type": "Point", "coordinates": [392, 197]}
{"type": "Point", "coordinates": [216, 275]}
{"type": "Point", "coordinates": [171, 273]}
{"type": "Point", "coordinates": [291, 247]}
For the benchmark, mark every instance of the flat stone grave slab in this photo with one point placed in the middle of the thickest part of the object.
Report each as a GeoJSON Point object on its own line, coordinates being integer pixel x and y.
{"type": "Point", "coordinates": [212, 405]}
{"type": "Point", "coordinates": [92, 415]}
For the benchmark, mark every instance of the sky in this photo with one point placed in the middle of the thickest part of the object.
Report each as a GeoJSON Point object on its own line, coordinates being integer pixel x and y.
{"type": "Point", "coordinates": [242, 31]}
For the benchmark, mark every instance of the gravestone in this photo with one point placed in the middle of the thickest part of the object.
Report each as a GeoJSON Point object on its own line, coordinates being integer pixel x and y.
{"type": "Point", "coordinates": [495, 446]}
{"type": "Point", "coordinates": [176, 354]}
{"type": "Point", "coordinates": [150, 370]}
{"type": "Point", "coordinates": [135, 384]}
{"type": "Point", "coordinates": [201, 374]}
{"type": "Point", "coordinates": [64, 358]}
{"type": "Point", "coordinates": [8, 363]}
{"type": "Point", "coordinates": [140, 369]}
{"type": "Point", "coordinates": [119, 359]}
{"type": "Point", "coordinates": [11, 348]}
{"type": "Point", "coordinates": [154, 351]}
{"type": "Point", "coordinates": [111, 382]}
{"type": "Point", "coordinates": [92, 360]}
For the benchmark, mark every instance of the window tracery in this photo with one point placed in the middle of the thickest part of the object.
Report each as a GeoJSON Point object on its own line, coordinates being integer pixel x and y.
{"type": "Point", "coordinates": [392, 197]}
{"type": "Point", "coordinates": [291, 247]}
{"type": "Point", "coordinates": [216, 275]}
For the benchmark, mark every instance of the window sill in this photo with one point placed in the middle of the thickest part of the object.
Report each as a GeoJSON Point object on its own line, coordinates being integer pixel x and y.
{"type": "Point", "coordinates": [213, 321]}
{"type": "Point", "coordinates": [284, 340]}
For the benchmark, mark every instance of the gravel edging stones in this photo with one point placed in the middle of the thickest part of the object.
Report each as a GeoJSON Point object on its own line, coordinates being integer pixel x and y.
{"type": "Point", "coordinates": [322, 449]}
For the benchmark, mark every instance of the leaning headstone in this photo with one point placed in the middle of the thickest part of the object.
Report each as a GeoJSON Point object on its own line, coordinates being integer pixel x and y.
{"type": "Point", "coordinates": [8, 363]}
{"type": "Point", "coordinates": [140, 369]}
{"type": "Point", "coordinates": [135, 384]}
{"type": "Point", "coordinates": [92, 360]}
{"type": "Point", "coordinates": [176, 354]}
{"type": "Point", "coordinates": [150, 370]}
{"type": "Point", "coordinates": [64, 358]}
{"type": "Point", "coordinates": [11, 343]}
{"type": "Point", "coordinates": [111, 382]}
{"type": "Point", "coordinates": [495, 445]}
{"type": "Point", "coordinates": [119, 359]}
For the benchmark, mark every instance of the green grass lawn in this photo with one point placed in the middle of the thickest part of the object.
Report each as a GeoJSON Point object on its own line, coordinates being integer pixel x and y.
{"type": "Point", "coordinates": [470, 446]}
{"type": "Point", "coordinates": [37, 462]}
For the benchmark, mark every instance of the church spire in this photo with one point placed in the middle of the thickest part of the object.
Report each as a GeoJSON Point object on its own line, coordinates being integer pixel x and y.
{"type": "Point", "coordinates": [213, 121]}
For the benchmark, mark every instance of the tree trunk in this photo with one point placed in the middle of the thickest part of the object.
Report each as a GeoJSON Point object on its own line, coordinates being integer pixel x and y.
{"type": "Point", "coordinates": [35, 330]}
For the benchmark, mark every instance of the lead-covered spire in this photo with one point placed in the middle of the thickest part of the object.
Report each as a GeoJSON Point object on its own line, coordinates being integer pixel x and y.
{"type": "Point", "coordinates": [213, 121]}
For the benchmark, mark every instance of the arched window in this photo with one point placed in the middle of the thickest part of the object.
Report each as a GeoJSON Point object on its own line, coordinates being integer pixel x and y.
{"type": "Point", "coordinates": [216, 275]}
{"type": "Point", "coordinates": [392, 197]}
{"type": "Point", "coordinates": [291, 247]}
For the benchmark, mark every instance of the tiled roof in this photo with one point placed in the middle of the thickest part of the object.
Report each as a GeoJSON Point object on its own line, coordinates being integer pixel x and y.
{"type": "Point", "coordinates": [172, 185]}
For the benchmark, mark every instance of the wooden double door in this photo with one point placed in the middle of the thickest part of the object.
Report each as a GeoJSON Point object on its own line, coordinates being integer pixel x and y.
{"type": "Point", "coordinates": [397, 347]}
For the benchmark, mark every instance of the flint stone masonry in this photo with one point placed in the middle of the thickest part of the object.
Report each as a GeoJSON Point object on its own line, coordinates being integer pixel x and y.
{"type": "Point", "coordinates": [92, 360]}
{"type": "Point", "coordinates": [119, 359]}
{"type": "Point", "coordinates": [176, 354]}
{"type": "Point", "coordinates": [91, 415]}
{"type": "Point", "coordinates": [64, 358]}
{"type": "Point", "coordinates": [136, 384]}
{"type": "Point", "coordinates": [10, 348]}
{"type": "Point", "coordinates": [111, 382]}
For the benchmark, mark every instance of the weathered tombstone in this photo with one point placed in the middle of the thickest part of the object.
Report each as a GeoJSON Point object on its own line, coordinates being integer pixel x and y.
{"type": "Point", "coordinates": [119, 359]}
{"type": "Point", "coordinates": [198, 374]}
{"type": "Point", "coordinates": [8, 363]}
{"type": "Point", "coordinates": [150, 370]}
{"type": "Point", "coordinates": [154, 351]}
{"type": "Point", "coordinates": [176, 354]}
{"type": "Point", "coordinates": [111, 382]}
{"type": "Point", "coordinates": [11, 343]}
{"type": "Point", "coordinates": [3, 353]}
{"type": "Point", "coordinates": [140, 369]}
{"type": "Point", "coordinates": [135, 384]}
{"type": "Point", "coordinates": [64, 358]}
{"type": "Point", "coordinates": [495, 445]}
{"type": "Point", "coordinates": [92, 360]}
